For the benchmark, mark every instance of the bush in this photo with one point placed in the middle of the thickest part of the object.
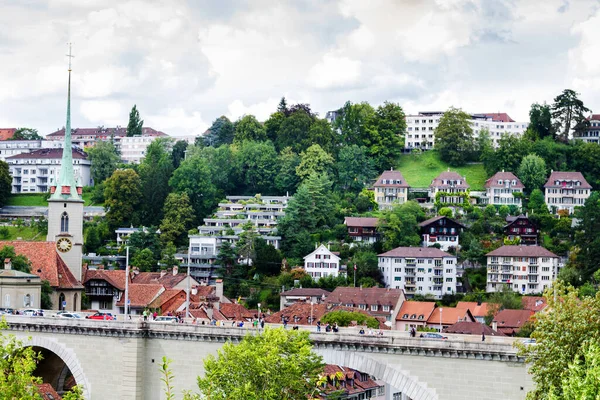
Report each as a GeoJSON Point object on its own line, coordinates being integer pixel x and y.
{"type": "Point", "coordinates": [345, 318]}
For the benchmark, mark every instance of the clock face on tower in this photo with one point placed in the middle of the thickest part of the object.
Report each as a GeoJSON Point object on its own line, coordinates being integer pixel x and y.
{"type": "Point", "coordinates": [64, 244]}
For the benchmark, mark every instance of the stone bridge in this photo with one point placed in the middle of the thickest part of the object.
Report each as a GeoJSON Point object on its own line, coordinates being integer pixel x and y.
{"type": "Point", "coordinates": [120, 360]}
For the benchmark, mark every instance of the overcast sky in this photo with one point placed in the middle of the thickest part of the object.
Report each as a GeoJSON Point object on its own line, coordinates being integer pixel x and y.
{"type": "Point", "coordinates": [185, 63]}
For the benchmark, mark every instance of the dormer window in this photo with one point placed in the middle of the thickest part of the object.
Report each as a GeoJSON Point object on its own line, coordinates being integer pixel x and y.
{"type": "Point", "coordinates": [421, 316]}
{"type": "Point", "coordinates": [405, 316]}
{"type": "Point", "coordinates": [414, 316]}
{"type": "Point", "coordinates": [500, 182]}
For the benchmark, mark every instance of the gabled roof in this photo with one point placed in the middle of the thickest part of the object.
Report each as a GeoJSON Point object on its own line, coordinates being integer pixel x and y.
{"type": "Point", "coordinates": [594, 117]}
{"type": "Point", "coordinates": [438, 182]}
{"type": "Point", "coordinates": [369, 296]}
{"type": "Point", "coordinates": [566, 176]}
{"type": "Point", "coordinates": [309, 292]}
{"type": "Point", "coordinates": [323, 250]}
{"type": "Point", "coordinates": [512, 319]}
{"type": "Point", "coordinates": [235, 312]}
{"type": "Point", "coordinates": [50, 154]}
{"type": "Point", "coordinates": [450, 316]}
{"type": "Point", "coordinates": [435, 219]}
{"type": "Point", "coordinates": [114, 277]}
{"type": "Point", "coordinates": [420, 310]}
{"type": "Point", "coordinates": [142, 295]}
{"type": "Point", "coordinates": [361, 222]}
{"type": "Point", "coordinates": [498, 117]}
{"type": "Point", "coordinates": [521, 251]}
{"type": "Point", "coordinates": [47, 392]}
{"type": "Point", "coordinates": [472, 328]}
{"type": "Point", "coordinates": [45, 263]}
{"type": "Point", "coordinates": [395, 176]}
{"type": "Point", "coordinates": [168, 280]}
{"type": "Point", "coordinates": [416, 252]}
{"type": "Point", "coordinates": [533, 303]}
{"type": "Point", "coordinates": [503, 176]}
{"type": "Point", "coordinates": [477, 309]}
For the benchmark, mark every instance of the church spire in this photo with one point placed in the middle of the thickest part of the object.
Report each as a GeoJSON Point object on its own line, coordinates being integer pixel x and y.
{"type": "Point", "coordinates": [66, 185]}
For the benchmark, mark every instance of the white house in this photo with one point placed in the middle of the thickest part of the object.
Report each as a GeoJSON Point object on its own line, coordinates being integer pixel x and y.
{"type": "Point", "coordinates": [321, 263]}
{"type": "Point", "coordinates": [501, 188]}
{"type": "Point", "coordinates": [566, 190]}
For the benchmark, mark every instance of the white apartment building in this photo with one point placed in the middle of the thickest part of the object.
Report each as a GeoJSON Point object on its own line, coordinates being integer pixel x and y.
{"type": "Point", "coordinates": [592, 133]}
{"type": "Point", "coordinates": [390, 189]}
{"type": "Point", "coordinates": [566, 190]}
{"type": "Point", "coordinates": [525, 269]}
{"type": "Point", "coordinates": [420, 128]}
{"type": "Point", "coordinates": [322, 263]}
{"type": "Point", "coordinates": [36, 171]}
{"type": "Point", "coordinates": [9, 148]}
{"type": "Point", "coordinates": [448, 183]}
{"type": "Point", "coordinates": [500, 190]}
{"type": "Point", "coordinates": [419, 270]}
{"type": "Point", "coordinates": [133, 148]}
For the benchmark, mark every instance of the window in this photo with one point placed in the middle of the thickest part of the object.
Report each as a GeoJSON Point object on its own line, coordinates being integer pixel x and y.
{"type": "Point", "coordinates": [374, 307]}
{"type": "Point", "coordinates": [64, 222]}
{"type": "Point", "coordinates": [27, 300]}
{"type": "Point", "coordinates": [448, 279]}
{"type": "Point", "coordinates": [397, 278]}
{"type": "Point", "coordinates": [386, 308]}
{"type": "Point", "coordinates": [448, 271]}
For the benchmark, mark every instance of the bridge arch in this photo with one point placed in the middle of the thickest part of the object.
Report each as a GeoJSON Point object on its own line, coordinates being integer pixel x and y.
{"type": "Point", "coordinates": [67, 356]}
{"type": "Point", "coordinates": [381, 370]}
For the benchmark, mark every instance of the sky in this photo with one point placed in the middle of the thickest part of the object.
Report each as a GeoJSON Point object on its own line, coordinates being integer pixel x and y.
{"type": "Point", "coordinates": [185, 63]}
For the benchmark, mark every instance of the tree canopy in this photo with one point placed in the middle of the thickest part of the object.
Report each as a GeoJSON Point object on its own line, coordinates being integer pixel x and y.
{"type": "Point", "coordinates": [454, 137]}
{"type": "Point", "coordinates": [135, 125]}
{"type": "Point", "coordinates": [122, 193]}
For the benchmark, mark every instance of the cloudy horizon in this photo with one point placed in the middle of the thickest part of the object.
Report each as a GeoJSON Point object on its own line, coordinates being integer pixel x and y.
{"type": "Point", "coordinates": [185, 63]}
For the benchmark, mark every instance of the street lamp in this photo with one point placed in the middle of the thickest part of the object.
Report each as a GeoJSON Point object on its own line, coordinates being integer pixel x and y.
{"type": "Point", "coordinates": [441, 309]}
{"type": "Point", "coordinates": [258, 314]}
{"type": "Point", "coordinates": [311, 312]}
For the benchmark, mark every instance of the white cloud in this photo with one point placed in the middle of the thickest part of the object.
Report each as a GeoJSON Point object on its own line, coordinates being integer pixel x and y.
{"type": "Point", "coordinates": [334, 72]}
{"type": "Point", "coordinates": [585, 58]}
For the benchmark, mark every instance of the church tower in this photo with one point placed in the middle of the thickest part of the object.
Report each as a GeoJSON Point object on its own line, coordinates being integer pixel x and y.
{"type": "Point", "coordinates": [65, 205]}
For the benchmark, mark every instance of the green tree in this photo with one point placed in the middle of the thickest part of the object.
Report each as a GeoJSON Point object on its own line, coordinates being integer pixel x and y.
{"type": "Point", "coordinates": [540, 122]}
{"type": "Point", "coordinates": [294, 130]}
{"type": "Point", "coordinates": [45, 297]}
{"type": "Point", "coordinates": [221, 132]}
{"type": "Point", "coordinates": [245, 247]}
{"type": "Point", "coordinates": [388, 141]}
{"type": "Point", "coordinates": [144, 239]}
{"type": "Point", "coordinates": [345, 318]}
{"type": "Point", "coordinates": [314, 160]}
{"type": "Point", "coordinates": [356, 123]}
{"type": "Point", "coordinates": [367, 265]}
{"type": "Point", "coordinates": [224, 168]}
{"type": "Point", "coordinates": [508, 156]}
{"type": "Point", "coordinates": [5, 183]}
{"type": "Point", "coordinates": [587, 237]}
{"type": "Point", "coordinates": [454, 136]}
{"type": "Point", "coordinates": [256, 163]}
{"type": "Point", "coordinates": [568, 113]}
{"type": "Point", "coordinates": [321, 133]}
{"type": "Point", "coordinates": [267, 260]}
{"type": "Point", "coordinates": [561, 334]}
{"type": "Point", "coordinates": [178, 218]}
{"type": "Point", "coordinates": [532, 172]}
{"type": "Point", "coordinates": [122, 193]}
{"type": "Point", "coordinates": [248, 128]}
{"type": "Point", "coordinates": [193, 177]}
{"type": "Point", "coordinates": [168, 259]}
{"type": "Point", "coordinates": [286, 179]}
{"type": "Point", "coordinates": [355, 169]}
{"type": "Point", "coordinates": [585, 157]}
{"type": "Point", "coordinates": [506, 299]}
{"type": "Point", "coordinates": [26, 134]}
{"type": "Point", "coordinates": [104, 159]}
{"type": "Point", "coordinates": [273, 127]}
{"type": "Point", "coordinates": [537, 202]}
{"type": "Point", "coordinates": [155, 171]}
{"type": "Point", "coordinates": [400, 225]}
{"type": "Point", "coordinates": [277, 364]}
{"type": "Point", "coordinates": [18, 262]}
{"type": "Point", "coordinates": [92, 239]}
{"type": "Point", "coordinates": [582, 378]}
{"type": "Point", "coordinates": [144, 260]}
{"type": "Point", "coordinates": [178, 153]}
{"type": "Point", "coordinates": [227, 257]}
{"type": "Point", "coordinates": [134, 127]}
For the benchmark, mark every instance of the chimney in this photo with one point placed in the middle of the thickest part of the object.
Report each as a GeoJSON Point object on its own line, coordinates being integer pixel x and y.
{"type": "Point", "coordinates": [175, 270]}
{"type": "Point", "coordinates": [195, 290]}
{"type": "Point", "coordinates": [219, 289]}
{"type": "Point", "coordinates": [7, 264]}
{"type": "Point", "coordinates": [495, 326]}
{"type": "Point", "coordinates": [162, 273]}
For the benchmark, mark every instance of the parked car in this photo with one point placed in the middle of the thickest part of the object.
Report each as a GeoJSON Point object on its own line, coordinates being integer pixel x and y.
{"type": "Point", "coordinates": [166, 319]}
{"type": "Point", "coordinates": [433, 335]}
{"type": "Point", "coordinates": [31, 312]}
{"type": "Point", "coordinates": [7, 311]}
{"type": "Point", "coordinates": [101, 316]}
{"type": "Point", "coordinates": [68, 315]}
{"type": "Point", "coordinates": [528, 341]}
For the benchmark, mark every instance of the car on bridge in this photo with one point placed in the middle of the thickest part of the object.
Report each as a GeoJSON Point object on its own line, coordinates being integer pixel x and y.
{"type": "Point", "coordinates": [166, 319]}
{"type": "Point", "coordinates": [433, 335]}
{"type": "Point", "coordinates": [68, 315]}
{"type": "Point", "coordinates": [102, 316]}
{"type": "Point", "coordinates": [31, 312]}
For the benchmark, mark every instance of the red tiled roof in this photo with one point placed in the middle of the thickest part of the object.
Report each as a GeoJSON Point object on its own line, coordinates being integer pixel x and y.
{"type": "Point", "coordinates": [199, 313]}
{"type": "Point", "coordinates": [351, 385]}
{"type": "Point", "coordinates": [309, 292]}
{"type": "Point", "coordinates": [106, 132]}
{"type": "Point", "coordinates": [47, 392]}
{"type": "Point", "coordinates": [533, 303]}
{"type": "Point", "coordinates": [521, 251]}
{"type": "Point", "coordinates": [420, 309]}
{"type": "Point", "coordinates": [7, 133]}
{"type": "Point", "coordinates": [368, 296]}
{"type": "Point", "coordinates": [168, 280]}
{"type": "Point", "coordinates": [566, 176]}
{"type": "Point", "coordinates": [510, 321]}
{"type": "Point", "coordinates": [391, 175]}
{"type": "Point", "coordinates": [361, 221]}
{"type": "Point", "coordinates": [449, 176]}
{"type": "Point", "coordinates": [115, 277]}
{"type": "Point", "coordinates": [142, 295]}
{"type": "Point", "coordinates": [499, 117]}
{"type": "Point", "coordinates": [477, 309]}
{"type": "Point", "coordinates": [594, 117]}
{"type": "Point", "coordinates": [450, 316]}
{"type": "Point", "coordinates": [472, 328]}
{"type": "Point", "coordinates": [299, 314]}
{"type": "Point", "coordinates": [416, 252]}
{"type": "Point", "coordinates": [503, 176]}
{"type": "Point", "coordinates": [235, 312]}
{"type": "Point", "coordinates": [166, 296]}
{"type": "Point", "coordinates": [53, 154]}
{"type": "Point", "coordinates": [45, 263]}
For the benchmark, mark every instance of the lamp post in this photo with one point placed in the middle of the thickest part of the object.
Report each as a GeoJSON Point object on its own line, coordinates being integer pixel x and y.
{"type": "Point", "coordinates": [441, 309]}
{"type": "Point", "coordinates": [126, 282]}
{"type": "Point", "coordinates": [258, 324]}
{"type": "Point", "coordinates": [187, 303]}
{"type": "Point", "coordinates": [311, 312]}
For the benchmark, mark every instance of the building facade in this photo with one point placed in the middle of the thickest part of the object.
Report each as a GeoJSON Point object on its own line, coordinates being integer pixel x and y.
{"type": "Point", "coordinates": [419, 270]}
{"type": "Point", "coordinates": [566, 190]}
{"type": "Point", "coordinates": [522, 228]}
{"type": "Point", "coordinates": [524, 269]}
{"type": "Point", "coordinates": [390, 189]}
{"type": "Point", "coordinates": [322, 263]}
{"type": "Point", "coordinates": [453, 188]}
{"type": "Point", "coordinates": [362, 229]}
{"type": "Point", "coordinates": [19, 289]}
{"type": "Point", "coordinates": [441, 230]}
{"type": "Point", "coordinates": [378, 302]}
{"type": "Point", "coordinates": [592, 133]}
{"type": "Point", "coordinates": [420, 128]}
{"type": "Point", "coordinates": [504, 188]}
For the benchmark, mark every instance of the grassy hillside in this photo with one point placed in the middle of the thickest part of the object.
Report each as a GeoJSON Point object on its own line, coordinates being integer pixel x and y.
{"type": "Point", "coordinates": [24, 233]}
{"type": "Point", "coordinates": [420, 169]}
{"type": "Point", "coordinates": [39, 200]}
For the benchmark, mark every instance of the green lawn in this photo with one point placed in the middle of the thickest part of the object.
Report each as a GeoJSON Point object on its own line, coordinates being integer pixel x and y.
{"type": "Point", "coordinates": [25, 233]}
{"type": "Point", "coordinates": [420, 169]}
{"type": "Point", "coordinates": [39, 200]}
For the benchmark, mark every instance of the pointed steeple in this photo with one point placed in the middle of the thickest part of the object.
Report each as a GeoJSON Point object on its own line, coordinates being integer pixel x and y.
{"type": "Point", "coordinates": [66, 187]}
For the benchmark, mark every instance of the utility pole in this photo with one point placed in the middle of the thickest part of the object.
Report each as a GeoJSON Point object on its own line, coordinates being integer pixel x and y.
{"type": "Point", "coordinates": [354, 275]}
{"type": "Point", "coordinates": [126, 282]}
{"type": "Point", "coordinates": [187, 303]}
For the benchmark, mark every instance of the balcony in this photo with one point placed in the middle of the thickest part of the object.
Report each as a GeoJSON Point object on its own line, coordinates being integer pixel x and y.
{"type": "Point", "coordinates": [100, 291]}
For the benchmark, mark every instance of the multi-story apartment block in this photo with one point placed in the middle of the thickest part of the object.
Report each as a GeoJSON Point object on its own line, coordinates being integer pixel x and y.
{"type": "Point", "coordinates": [525, 269]}
{"type": "Point", "coordinates": [420, 128]}
{"type": "Point", "coordinates": [521, 227]}
{"type": "Point", "coordinates": [10, 148]}
{"type": "Point", "coordinates": [362, 229]}
{"type": "Point", "coordinates": [449, 182]}
{"type": "Point", "coordinates": [502, 188]}
{"type": "Point", "coordinates": [36, 171]}
{"type": "Point", "coordinates": [441, 230]}
{"type": "Point", "coordinates": [390, 189]}
{"type": "Point", "coordinates": [592, 133]}
{"type": "Point", "coordinates": [566, 190]}
{"type": "Point", "coordinates": [227, 224]}
{"type": "Point", "coordinates": [322, 263]}
{"type": "Point", "coordinates": [419, 270]}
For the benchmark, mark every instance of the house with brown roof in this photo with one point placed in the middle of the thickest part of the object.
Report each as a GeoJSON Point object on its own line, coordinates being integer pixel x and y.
{"type": "Point", "coordinates": [510, 322]}
{"type": "Point", "coordinates": [362, 229]}
{"type": "Point", "coordinates": [534, 303]}
{"type": "Point", "coordinates": [472, 328]}
{"type": "Point", "coordinates": [378, 302]}
{"type": "Point", "coordinates": [525, 269]}
{"type": "Point", "coordinates": [591, 134]}
{"type": "Point", "coordinates": [523, 228]}
{"type": "Point", "coordinates": [451, 188]}
{"type": "Point", "coordinates": [414, 314]}
{"type": "Point", "coordinates": [448, 316]}
{"type": "Point", "coordinates": [441, 230]}
{"type": "Point", "coordinates": [349, 384]}
{"type": "Point", "coordinates": [49, 266]}
{"type": "Point", "coordinates": [479, 310]}
{"type": "Point", "coordinates": [503, 188]}
{"type": "Point", "coordinates": [302, 295]}
{"type": "Point", "coordinates": [566, 190]}
{"type": "Point", "coordinates": [390, 189]}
